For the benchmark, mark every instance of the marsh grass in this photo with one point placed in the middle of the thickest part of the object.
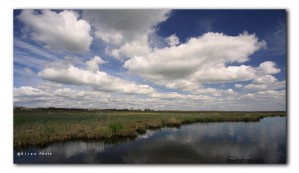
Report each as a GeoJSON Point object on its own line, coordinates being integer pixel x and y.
{"type": "Point", "coordinates": [41, 126]}
{"type": "Point", "coordinates": [173, 122]}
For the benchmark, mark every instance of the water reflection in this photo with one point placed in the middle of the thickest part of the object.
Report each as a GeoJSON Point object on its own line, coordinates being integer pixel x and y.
{"type": "Point", "coordinates": [259, 142]}
{"type": "Point", "coordinates": [71, 149]}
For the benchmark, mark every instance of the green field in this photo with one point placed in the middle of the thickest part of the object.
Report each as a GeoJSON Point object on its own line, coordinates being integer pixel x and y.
{"type": "Point", "coordinates": [38, 127]}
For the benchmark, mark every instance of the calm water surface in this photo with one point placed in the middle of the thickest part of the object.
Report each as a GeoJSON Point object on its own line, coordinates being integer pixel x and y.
{"type": "Point", "coordinates": [237, 142]}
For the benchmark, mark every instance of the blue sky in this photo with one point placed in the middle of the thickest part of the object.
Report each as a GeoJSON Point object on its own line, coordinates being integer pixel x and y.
{"type": "Point", "coordinates": [158, 59]}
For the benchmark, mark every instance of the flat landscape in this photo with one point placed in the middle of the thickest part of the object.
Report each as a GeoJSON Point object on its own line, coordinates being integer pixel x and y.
{"type": "Point", "coordinates": [149, 86]}
{"type": "Point", "coordinates": [39, 127]}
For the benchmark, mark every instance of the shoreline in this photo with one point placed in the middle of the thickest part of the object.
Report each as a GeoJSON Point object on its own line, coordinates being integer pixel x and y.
{"type": "Point", "coordinates": [40, 128]}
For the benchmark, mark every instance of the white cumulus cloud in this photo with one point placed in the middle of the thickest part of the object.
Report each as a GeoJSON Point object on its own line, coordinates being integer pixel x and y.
{"type": "Point", "coordinates": [266, 82]}
{"type": "Point", "coordinates": [29, 91]}
{"type": "Point", "coordinates": [172, 40]}
{"type": "Point", "coordinates": [93, 64]}
{"type": "Point", "coordinates": [269, 67]}
{"type": "Point", "coordinates": [121, 25]}
{"type": "Point", "coordinates": [57, 31]}
{"type": "Point", "coordinates": [266, 86]}
{"type": "Point", "coordinates": [125, 32]}
{"type": "Point", "coordinates": [99, 80]}
{"type": "Point", "coordinates": [138, 47]}
{"type": "Point", "coordinates": [265, 79]}
{"type": "Point", "coordinates": [201, 59]}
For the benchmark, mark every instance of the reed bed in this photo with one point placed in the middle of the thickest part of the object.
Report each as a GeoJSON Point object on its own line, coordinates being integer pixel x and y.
{"type": "Point", "coordinates": [39, 127]}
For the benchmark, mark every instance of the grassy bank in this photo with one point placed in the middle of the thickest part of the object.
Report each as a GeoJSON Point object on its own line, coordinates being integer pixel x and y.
{"type": "Point", "coordinates": [43, 126]}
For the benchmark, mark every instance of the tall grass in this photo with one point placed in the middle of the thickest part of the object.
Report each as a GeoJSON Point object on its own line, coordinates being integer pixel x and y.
{"type": "Point", "coordinates": [41, 127]}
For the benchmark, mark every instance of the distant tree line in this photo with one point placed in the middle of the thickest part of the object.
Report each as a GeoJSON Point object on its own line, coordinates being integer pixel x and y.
{"type": "Point", "coordinates": [80, 109]}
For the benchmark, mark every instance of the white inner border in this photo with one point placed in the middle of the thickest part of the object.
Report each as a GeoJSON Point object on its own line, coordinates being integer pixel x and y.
{"type": "Point", "coordinates": [6, 85]}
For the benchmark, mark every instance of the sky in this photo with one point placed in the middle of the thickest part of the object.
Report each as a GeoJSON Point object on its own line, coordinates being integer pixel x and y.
{"type": "Point", "coordinates": [161, 59]}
